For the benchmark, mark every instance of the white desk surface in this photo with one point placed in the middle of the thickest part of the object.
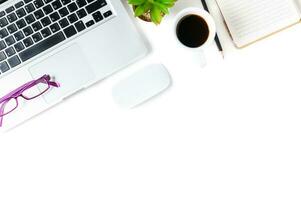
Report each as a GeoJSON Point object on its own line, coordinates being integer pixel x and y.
{"type": "Point", "coordinates": [230, 130]}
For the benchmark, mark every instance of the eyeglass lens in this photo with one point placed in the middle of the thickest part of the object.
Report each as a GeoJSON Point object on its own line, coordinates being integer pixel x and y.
{"type": "Point", "coordinates": [8, 106]}
{"type": "Point", "coordinates": [35, 90]}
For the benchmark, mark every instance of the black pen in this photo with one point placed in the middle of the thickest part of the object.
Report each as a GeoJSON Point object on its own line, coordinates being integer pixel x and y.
{"type": "Point", "coordinates": [217, 41]}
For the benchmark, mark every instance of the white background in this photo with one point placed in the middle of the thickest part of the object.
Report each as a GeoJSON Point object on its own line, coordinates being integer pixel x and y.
{"type": "Point", "coordinates": [230, 130]}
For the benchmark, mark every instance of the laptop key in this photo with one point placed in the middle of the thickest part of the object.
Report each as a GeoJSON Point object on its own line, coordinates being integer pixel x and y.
{"type": "Point", "coordinates": [14, 61]}
{"type": "Point", "coordinates": [69, 31]}
{"type": "Point", "coordinates": [4, 67]}
{"type": "Point", "coordinates": [27, 1]}
{"type": "Point", "coordinates": [27, 31]}
{"type": "Point", "coordinates": [42, 46]}
{"type": "Point", "coordinates": [65, 2]}
{"type": "Point", "coordinates": [29, 8]}
{"type": "Point", "coordinates": [10, 51]}
{"type": "Point", "coordinates": [10, 40]}
{"type": "Point", "coordinates": [30, 19]}
{"type": "Point", "coordinates": [38, 14]}
{"type": "Point", "coordinates": [2, 56]}
{"type": "Point", "coordinates": [95, 6]}
{"type": "Point", "coordinates": [3, 22]}
{"type": "Point", "coordinates": [107, 14]}
{"type": "Point", "coordinates": [19, 4]}
{"type": "Point", "coordinates": [56, 5]}
{"type": "Point", "coordinates": [72, 7]}
{"type": "Point", "coordinates": [36, 26]}
{"type": "Point", "coordinates": [47, 9]}
{"type": "Point", "coordinates": [3, 33]}
{"type": "Point", "coordinates": [46, 32]}
{"type": "Point", "coordinates": [9, 9]}
{"type": "Point", "coordinates": [38, 3]}
{"type": "Point", "coordinates": [28, 42]}
{"type": "Point", "coordinates": [12, 17]}
{"type": "Point", "coordinates": [45, 21]}
{"type": "Point", "coordinates": [81, 3]}
{"type": "Point", "coordinates": [47, 1]}
{"type": "Point", "coordinates": [2, 13]}
{"type": "Point", "coordinates": [54, 16]}
{"type": "Point", "coordinates": [64, 23]}
{"type": "Point", "coordinates": [63, 12]}
{"type": "Point", "coordinates": [20, 12]}
{"type": "Point", "coordinates": [19, 35]}
{"type": "Point", "coordinates": [81, 13]}
{"type": "Point", "coordinates": [12, 28]}
{"type": "Point", "coordinates": [97, 16]}
{"type": "Point", "coordinates": [37, 37]}
{"type": "Point", "coordinates": [19, 46]}
{"type": "Point", "coordinates": [90, 23]}
{"type": "Point", "coordinates": [79, 26]}
{"type": "Point", "coordinates": [2, 45]}
{"type": "Point", "coordinates": [72, 18]}
{"type": "Point", "coordinates": [21, 23]}
{"type": "Point", "coordinates": [55, 28]}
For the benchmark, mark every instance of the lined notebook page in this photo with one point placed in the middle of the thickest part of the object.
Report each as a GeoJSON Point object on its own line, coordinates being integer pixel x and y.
{"type": "Point", "coordinates": [251, 20]}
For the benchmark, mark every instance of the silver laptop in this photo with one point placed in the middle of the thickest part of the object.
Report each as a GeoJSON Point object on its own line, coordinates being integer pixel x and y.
{"type": "Point", "coordinates": [76, 42]}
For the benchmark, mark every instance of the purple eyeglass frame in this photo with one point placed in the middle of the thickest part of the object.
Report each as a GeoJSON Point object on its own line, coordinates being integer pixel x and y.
{"type": "Point", "coordinates": [15, 94]}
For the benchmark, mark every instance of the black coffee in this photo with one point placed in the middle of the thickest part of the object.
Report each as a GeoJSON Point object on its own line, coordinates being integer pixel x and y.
{"type": "Point", "coordinates": [193, 31]}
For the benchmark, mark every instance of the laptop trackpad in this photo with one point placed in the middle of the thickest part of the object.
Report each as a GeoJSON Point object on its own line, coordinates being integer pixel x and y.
{"type": "Point", "coordinates": [68, 67]}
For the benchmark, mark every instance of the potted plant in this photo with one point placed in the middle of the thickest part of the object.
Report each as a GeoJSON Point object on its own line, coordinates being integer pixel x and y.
{"type": "Point", "coordinates": [151, 10]}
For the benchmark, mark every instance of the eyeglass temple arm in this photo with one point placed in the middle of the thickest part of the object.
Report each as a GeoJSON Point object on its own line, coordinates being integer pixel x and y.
{"type": "Point", "coordinates": [52, 83]}
{"type": "Point", "coordinates": [1, 113]}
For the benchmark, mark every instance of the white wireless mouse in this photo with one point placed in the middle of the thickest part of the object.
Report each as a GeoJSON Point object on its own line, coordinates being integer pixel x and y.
{"type": "Point", "coordinates": [141, 86]}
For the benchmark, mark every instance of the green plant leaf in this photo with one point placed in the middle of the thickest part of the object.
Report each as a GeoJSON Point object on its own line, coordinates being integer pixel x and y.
{"type": "Point", "coordinates": [168, 3]}
{"type": "Point", "coordinates": [139, 10]}
{"type": "Point", "coordinates": [156, 8]}
{"type": "Point", "coordinates": [156, 15]}
{"type": "Point", "coordinates": [162, 7]}
{"type": "Point", "coordinates": [136, 2]}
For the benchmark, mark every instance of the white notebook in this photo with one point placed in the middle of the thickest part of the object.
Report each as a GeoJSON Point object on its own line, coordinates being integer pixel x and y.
{"type": "Point", "coordinates": [251, 20]}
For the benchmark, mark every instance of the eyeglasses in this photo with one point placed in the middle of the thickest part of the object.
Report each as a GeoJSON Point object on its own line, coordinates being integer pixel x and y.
{"type": "Point", "coordinates": [28, 91]}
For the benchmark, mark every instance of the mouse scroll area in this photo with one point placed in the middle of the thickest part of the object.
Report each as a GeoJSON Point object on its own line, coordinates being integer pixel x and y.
{"type": "Point", "coordinates": [141, 86]}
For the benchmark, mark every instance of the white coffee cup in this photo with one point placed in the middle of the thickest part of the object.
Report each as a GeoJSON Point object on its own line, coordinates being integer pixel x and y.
{"type": "Point", "coordinates": [204, 15]}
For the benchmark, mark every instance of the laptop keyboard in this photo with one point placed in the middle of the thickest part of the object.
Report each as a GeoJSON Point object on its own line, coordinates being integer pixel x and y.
{"type": "Point", "coordinates": [30, 27]}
